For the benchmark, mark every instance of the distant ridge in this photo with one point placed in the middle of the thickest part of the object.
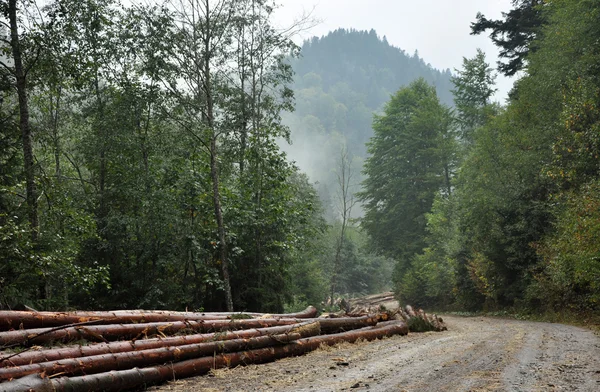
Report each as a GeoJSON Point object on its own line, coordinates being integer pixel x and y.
{"type": "Point", "coordinates": [342, 79]}
{"type": "Point", "coordinates": [367, 62]}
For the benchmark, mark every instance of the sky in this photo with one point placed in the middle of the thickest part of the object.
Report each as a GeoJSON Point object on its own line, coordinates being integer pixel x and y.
{"type": "Point", "coordinates": [437, 29]}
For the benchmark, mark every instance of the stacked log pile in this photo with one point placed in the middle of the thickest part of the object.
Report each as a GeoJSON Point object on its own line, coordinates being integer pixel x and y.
{"type": "Point", "coordinates": [417, 320]}
{"type": "Point", "coordinates": [385, 300]}
{"type": "Point", "coordinates": [114, 351]}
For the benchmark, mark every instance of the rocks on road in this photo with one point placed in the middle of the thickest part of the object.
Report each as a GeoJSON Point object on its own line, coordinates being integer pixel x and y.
{"type": "Point", "coordinates": [475, 354]}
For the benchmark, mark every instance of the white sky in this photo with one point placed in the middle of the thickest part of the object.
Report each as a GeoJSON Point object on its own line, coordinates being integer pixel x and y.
{"type": "Point", "coordinates": [438, 29]}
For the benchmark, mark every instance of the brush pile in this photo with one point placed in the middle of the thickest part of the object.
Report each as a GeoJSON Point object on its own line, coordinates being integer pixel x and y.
{"type": "Point", "coordinates": [121, 350]}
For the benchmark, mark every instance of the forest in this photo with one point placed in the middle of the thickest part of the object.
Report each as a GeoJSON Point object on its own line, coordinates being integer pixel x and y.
{"type": "Point", "coordinates": [190, 155]}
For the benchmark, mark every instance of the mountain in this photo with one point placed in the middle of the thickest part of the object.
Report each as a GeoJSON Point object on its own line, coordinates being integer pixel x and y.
{"type": "Point", "coordinates": [342, 79]}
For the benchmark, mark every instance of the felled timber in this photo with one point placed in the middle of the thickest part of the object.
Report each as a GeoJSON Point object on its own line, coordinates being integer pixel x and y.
{"type": "Point", "coordinates": [127, 360]}
{"type": "Point", "coordinates": [419, 321]}
{"type": "Point", "coordinates": [32, 319]}
{"type": "Point", "coordinates": [47, 355]}
{"type": "Point", "coordinates": [372, 300]}
{"type": "Point", "coordinates": [105, 333]}
{"type": "Point", "coordinates": [128, 379]}
{"type": "Point", "coordinates": [347, 323]}
{"type": "Point", "coordinates": [309, 312]}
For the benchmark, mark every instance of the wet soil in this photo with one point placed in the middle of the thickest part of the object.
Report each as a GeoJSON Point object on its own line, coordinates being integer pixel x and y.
{"type": "Point", "coordinates": [475, 354]}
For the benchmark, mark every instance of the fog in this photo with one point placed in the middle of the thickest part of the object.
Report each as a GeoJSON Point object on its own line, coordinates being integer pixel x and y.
{"type": "Point", "coordinates": [437, 30]}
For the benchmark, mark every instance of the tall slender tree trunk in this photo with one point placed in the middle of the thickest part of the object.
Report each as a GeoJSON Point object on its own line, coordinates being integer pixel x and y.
{"type": "Point", "coordinates": [54, 108]}
{"type": "Point", "coordinates": [214, 174]}
{"type": "Point", "coordinates": [21, 79]}
{"type": "Point", "coordinates": [344, 177]}
{"type": "Point", "coordinates": [214, 162]}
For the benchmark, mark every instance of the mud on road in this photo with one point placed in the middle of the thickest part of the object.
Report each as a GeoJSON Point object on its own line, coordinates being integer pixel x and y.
{"type": "Point", "coordinates": [475, 354]}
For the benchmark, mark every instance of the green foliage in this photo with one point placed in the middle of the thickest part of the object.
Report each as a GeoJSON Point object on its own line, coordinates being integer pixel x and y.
{"type": "Point", "coordinates": [404, 172]}
{"type": "Point", "coordinates": [570, 275]}
{"type": "Point", "coordinates": [496, 208]}
{"type": "Point", "coordinates": [518, 229]}
{"type": "Point", "coordinates": [431, 280]}
{"type": "Point", "coordinates": [417, 324]}
{"type": "Point", "coordinates": [513, 35]}
{"type": "Point", "coordinates": [15, 272]}
{"type": "Point", "coordinates": [441, 276]}
{"type": "Point", "coordinates": [127, 212]}
{"type": "Point", "coordinates": [567, 275]}
{"type": "Point", "coordinates": [342, 79]}
{"type": "Point", "coordinates": [505, 208]}
{"type": "Point", "coordinates": [473, 89]}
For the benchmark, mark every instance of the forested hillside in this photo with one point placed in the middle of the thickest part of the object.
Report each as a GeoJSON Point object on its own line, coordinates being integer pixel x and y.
{"type": "Point", "coordinates": [144, 161]}
{"type": "Point", "coordinates": [499, 208]}
{"type": "Point", "coordinates": [341, 80]}
{"type": "Point", "coordinates": [138, 163]}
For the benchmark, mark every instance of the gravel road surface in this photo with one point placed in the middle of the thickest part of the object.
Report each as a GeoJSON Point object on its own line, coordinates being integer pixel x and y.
{"type": "Point", "coordinates": [475, 354]}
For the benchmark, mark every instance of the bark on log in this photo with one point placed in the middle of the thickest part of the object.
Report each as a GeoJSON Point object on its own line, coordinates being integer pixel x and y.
{"type": "Point", "coordinates": [341, 324]}
{"type": "Point", "coordinates": [28, 320]}
{"type": "Point", "coordinates": [144, 358]}
{"type": "Point", "coordinates": [31, 383]}
{"type": "Point", "coordinates": [419, 321]}
{"type": "Point", "coordinates": [372, 300]}
{"type": "Point", "coordinates": [37, 356]}
{"type": "Point", "coordinates": [127, 379]}
{"type": "Point", "coordinates": [133, 331]}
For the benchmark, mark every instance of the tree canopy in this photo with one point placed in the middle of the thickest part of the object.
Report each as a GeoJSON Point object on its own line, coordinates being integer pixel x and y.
{"type": "Point", "coordinates": [515, 34]}
{"type": "Point", "coordinates": [404, 171]}
{"type": "Point", "coordinates": [144, 161]}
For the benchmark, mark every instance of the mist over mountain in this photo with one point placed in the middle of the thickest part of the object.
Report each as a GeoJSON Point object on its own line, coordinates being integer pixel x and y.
{"type": "Point", "coordinates": [342, 79]}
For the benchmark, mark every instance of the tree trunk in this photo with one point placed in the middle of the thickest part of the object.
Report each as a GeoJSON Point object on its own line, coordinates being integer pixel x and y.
{"type": "Point", "coordinates": [131, 331]}
{"type": "Point", "coordinates": [221, 227]}
{"type": "Point", "coordinates": [344, 177]}
{"type": "Point", "coordinates": [10, 319]}
{"type": "Point", "coordinates": [129, 379]}
{"type": "Point", "coordinates": [111, 332]}
{"type": "Point", "coordinates": [21, 80]}
{"type": "Point", "coordinates": [144, 358]}
{"type": "Point", "coordinates": [29, 357]}
{"type": "Point", "coordinates": [214, 169]}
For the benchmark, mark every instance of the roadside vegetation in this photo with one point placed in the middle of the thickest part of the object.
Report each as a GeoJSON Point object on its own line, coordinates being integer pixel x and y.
{"type": "Point", "coordinates": [145, 162]}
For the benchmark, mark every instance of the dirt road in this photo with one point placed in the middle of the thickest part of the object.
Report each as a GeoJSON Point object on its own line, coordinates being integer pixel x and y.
{"type": "Point", "coordinates": [475, 354]}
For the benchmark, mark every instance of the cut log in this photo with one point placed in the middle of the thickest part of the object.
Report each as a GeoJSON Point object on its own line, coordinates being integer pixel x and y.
{"type": "Point", "coordinates": [347, 323]}
{"type": "Point", "coordinates": [112, 332]}
{"type": "Point", "coordinates": [28, 320]}
{"type": "Point", "coordinates": [128, 360]}
{"type": "Point", "coordinates": [31, 383]}
{"type": "Point", "coordinates": [131, 331]}
{"type": "Point", "coordinates": [128, 379]}
{"type": "Point", "coordinates": [37, 356]}
{"type": "Point", "coordinates": [373, 303]}
{"type": "Point", "coordinates": [419, 321]}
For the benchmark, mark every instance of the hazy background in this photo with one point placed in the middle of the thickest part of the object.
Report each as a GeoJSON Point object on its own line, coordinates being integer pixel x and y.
{"type": "Point", "coordinates": [438, 29]}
